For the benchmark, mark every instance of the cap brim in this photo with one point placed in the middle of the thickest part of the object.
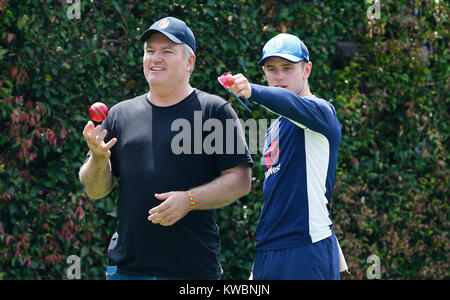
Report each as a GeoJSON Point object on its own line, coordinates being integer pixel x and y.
{"type": "Point", "coordinates": [144, 37]}
{"type": "Point", "coordinates": [289, 57]}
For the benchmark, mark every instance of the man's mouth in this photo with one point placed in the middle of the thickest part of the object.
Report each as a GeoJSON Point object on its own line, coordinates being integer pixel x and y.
{"type": "Point", "coordinates": [156, 69]}
{"type": "Point", "coordinates": [281, 86]}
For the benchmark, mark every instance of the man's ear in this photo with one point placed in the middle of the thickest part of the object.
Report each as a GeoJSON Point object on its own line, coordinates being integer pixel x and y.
{"type": "Point", "coordinates": [191, 62]}
{"type": "Point", "coordinates": [307, 70]}
{"type": "Point", "coordinates": [264, 70]}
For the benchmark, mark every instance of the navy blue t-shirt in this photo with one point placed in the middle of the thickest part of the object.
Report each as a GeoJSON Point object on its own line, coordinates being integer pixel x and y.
{"type": "Point", "coordinates": [159, 149]}
{"type": "Point", "coordinates": [299, 158]}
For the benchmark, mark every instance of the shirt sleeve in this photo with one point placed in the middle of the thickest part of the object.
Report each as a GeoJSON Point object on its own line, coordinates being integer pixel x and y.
{"type": "Point", "coordinates": [307, 112]}
{"type": "Point", "coordinates": [234, 149]}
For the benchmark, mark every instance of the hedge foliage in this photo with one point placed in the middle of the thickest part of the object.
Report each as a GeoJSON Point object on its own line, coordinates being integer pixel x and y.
{"type": "Point", "coordinates": [388, 79]}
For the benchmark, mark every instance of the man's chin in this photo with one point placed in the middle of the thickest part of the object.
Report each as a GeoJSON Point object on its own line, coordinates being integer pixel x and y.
{"type": "Point", "coordinates": [156, 80]}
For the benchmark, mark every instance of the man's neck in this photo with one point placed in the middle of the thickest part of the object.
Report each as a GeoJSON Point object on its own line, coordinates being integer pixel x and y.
{"type": "Point", "coordinates": [305, 92]}
{"type": "Point", "coordinates": [168, 97]}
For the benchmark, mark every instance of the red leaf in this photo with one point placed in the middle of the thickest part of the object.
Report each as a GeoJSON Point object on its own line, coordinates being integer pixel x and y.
{"type": "Point", "coordinates": [10, 37]}
{"type": "Point", "coordinates": [32, 156]}
{"type": "Point", "coordinates": [63, 133]}
{"type": "Point", "coordinates": [6, 196]}
{"type": "Point", "coordinates": [27, 261]}
{"type": "Point", "coordinates": [13, 72]}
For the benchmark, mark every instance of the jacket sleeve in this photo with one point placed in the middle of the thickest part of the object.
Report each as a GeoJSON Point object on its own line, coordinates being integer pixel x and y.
{"type": "Point", "coordinates": [307, 112]}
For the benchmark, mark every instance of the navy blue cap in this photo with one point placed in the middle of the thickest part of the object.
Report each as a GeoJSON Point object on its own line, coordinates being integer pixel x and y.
{"type": "Point", "coordinates": [174, 29]}
{"type": "Point", "coordinates": [286, 46]}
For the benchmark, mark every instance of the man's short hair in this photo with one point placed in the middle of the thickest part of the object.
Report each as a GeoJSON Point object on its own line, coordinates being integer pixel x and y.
{"type": "Point", "coordinates": [188, 52]}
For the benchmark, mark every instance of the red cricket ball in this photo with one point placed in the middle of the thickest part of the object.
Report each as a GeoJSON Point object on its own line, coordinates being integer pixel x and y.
{"type": "Point", "coordinates": [98, 111]}
{"type": "Point", "coordinates": [226, 80]}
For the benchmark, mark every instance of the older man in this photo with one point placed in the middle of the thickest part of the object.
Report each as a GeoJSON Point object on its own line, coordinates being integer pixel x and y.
{"type": "Point", "coordinates": [166, 219]}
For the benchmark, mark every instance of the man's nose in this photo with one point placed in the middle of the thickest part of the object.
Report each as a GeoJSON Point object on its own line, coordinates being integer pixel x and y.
{"type": "Point", "coordinates": [157, 56]}
{"type": "Point", "coordinates": [279, 76]}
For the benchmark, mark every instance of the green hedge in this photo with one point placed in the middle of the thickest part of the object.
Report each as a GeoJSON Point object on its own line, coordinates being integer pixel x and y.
{"type": "Point", "coordinates": [388, 79]}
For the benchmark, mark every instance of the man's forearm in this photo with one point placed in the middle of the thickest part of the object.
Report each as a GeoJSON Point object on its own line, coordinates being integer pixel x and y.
{"type": "Point", "coordinates": [231, 185]}
{"type": "Point", "coordinates": [97, 178]}
{"type": "Point", "coordinates": [224, 190]}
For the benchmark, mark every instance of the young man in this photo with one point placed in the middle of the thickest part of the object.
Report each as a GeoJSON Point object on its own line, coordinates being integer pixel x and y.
{"type": "Point", "coordinates": [295, 239]}
{"type": "Point", "coordinates": [166, 218]}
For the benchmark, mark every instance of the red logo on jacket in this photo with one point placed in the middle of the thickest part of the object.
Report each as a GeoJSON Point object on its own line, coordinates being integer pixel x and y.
{"type": "Point", "coordinates": [272, 154]}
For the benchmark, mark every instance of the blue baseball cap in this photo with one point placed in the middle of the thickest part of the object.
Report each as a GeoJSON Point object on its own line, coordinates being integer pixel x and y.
{"type": "Point", "coordinates": [174, 29]}
{"type": "Point", "coordinates": [286, 46]}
